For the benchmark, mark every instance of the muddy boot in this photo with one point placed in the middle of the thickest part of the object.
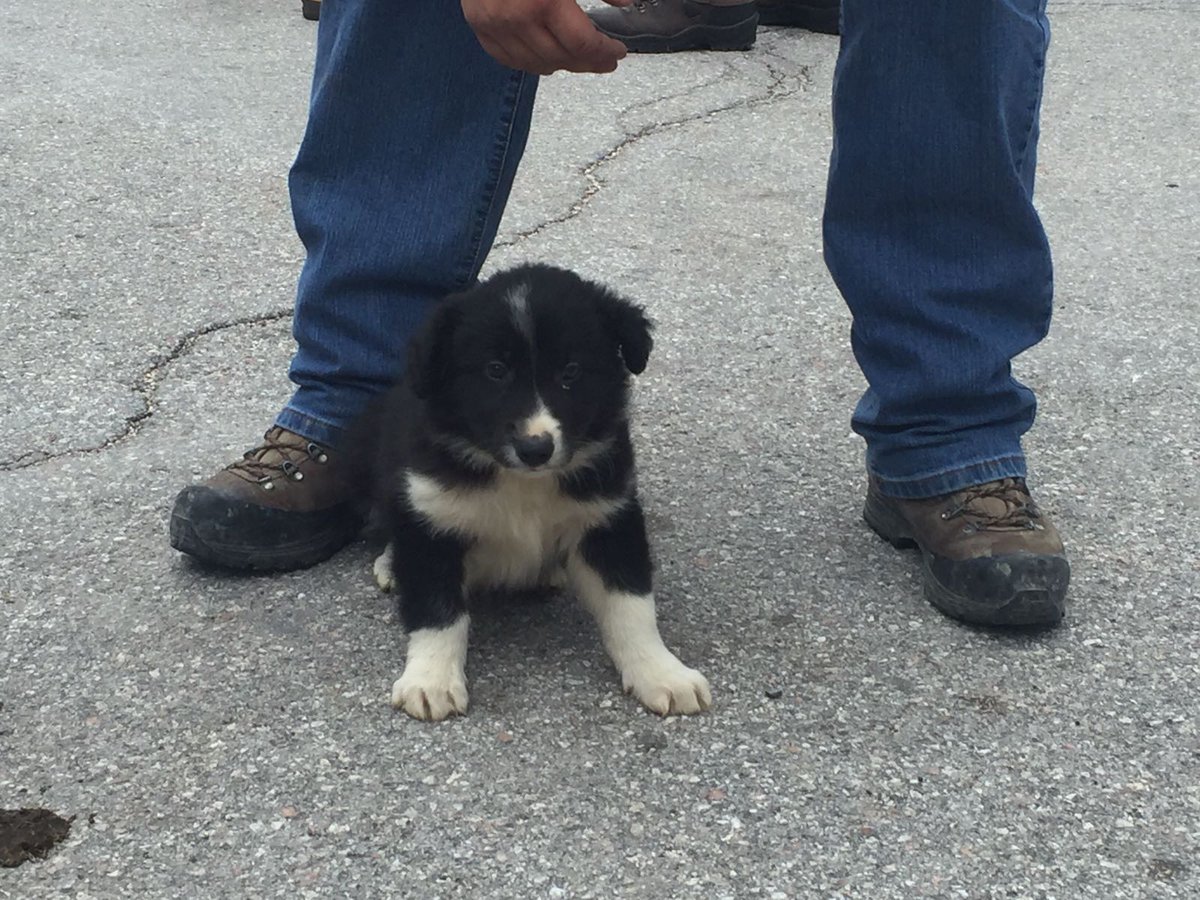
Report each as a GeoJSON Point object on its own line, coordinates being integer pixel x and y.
{"type": "Point", "coordinates": [286, 504]}
{"type": "Point", "coordinates": [990, 556]}
{"type": "Point", "coordinates": [813, 15]}
{"type": "Point", "coordinates": [666, 26]}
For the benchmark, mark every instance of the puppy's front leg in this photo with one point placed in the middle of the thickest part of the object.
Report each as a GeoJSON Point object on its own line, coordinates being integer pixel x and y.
{"type": "Point", "coordinates": [427, 570]}
{"type": "Point", "coordinates": [611, 573]}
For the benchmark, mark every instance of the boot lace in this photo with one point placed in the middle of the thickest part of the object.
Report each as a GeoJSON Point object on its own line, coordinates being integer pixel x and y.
{"type": "Point", "coordinates": [1003, 505]}
{"type": "Point", "coordinates": [278, 456]}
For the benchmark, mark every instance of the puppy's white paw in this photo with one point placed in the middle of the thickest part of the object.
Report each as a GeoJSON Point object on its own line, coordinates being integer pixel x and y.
{"type": "Point", "coordinates": [383, 570]}
{"type": "Point", "coordinates": [434, 683]}
{"type": "Point", "coordinates": [430, 698]}
{"type": "Point", "coordinates": [666, 686]}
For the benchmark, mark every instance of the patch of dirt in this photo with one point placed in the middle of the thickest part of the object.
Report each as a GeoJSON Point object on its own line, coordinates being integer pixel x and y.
{"type": "Point", "coordinates": [29, 834]}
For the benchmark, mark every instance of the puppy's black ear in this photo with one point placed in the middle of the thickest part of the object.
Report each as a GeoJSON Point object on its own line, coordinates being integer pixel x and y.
{"type": "Point", "coordinates": [429, 352]}
{"type": "Point", "coordinates": [630, 327]}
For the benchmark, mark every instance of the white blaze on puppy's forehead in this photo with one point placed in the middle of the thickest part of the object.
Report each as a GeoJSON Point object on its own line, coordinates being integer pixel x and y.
{"type": "Point", "coordinates": [518, 302]}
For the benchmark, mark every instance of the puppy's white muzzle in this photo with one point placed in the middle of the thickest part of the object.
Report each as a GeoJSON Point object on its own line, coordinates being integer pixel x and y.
{"type": "Point", "coordinates": [537, 443]}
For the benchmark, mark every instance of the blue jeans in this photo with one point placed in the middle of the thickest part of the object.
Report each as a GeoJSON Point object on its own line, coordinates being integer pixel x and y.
{"type": "Point", "coordinates": [414, 135]}
{"type": "Point", "coordinates": [413, 139]}
{"type": "Point", "coordinates": [931, 234]}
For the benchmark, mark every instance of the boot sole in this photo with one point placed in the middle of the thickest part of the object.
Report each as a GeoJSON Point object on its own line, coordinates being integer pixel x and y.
{"type": "Point", "coordinates": [810, 18]}
{"type": "Point", "coordinates": [698, 37]}
{"type": "Point", "coordinates": [1039, 583]}
{"type": "Point", "coordinates": [217, 531]}
{"type": "Point", "coordinates": [311, 9]}
{"type": "Point", "coordinates": [299, 555]}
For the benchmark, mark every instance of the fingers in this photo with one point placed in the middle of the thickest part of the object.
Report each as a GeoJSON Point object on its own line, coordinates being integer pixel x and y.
{"type": "Point", "coordinates": [517, 52]}
{"type": "Point", "coordinates": [542, 47]}
{"type": "Point", "coordinates": [542, 36]}
{"type": "Point", "coordinates": [587, 48]}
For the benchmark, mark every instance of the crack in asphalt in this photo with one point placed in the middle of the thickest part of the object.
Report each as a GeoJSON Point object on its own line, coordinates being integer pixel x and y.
{"type": "Point", "coordinates": [147, 389]}
{"type": "Point", "coordinates": [781, 84]}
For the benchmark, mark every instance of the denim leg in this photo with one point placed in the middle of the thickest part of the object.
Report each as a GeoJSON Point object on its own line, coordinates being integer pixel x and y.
{"type": "Point", "coordinates": [414, 135]}
{"type": "Point", "coordinates": [931, 234]}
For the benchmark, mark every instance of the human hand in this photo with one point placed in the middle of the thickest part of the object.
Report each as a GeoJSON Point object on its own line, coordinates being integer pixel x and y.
{"type": "Point", "coordinates": [543, 36]}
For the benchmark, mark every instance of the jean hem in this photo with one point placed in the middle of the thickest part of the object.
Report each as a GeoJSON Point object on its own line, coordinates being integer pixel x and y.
{"type": "Point", "coordinates": [949, 481]}
{"type": "Point", "coordinates": [307, 426]}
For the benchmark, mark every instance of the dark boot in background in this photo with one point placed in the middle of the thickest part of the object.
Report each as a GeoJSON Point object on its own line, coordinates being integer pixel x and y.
{"type": "Point", "coordinates": [813, 15]}
{"type": "Point", "coordinates": [667, 26]}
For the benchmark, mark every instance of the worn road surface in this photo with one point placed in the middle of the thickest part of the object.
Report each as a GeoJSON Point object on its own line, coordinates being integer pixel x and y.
{"type": "Point", "coordinates": [216, 737]}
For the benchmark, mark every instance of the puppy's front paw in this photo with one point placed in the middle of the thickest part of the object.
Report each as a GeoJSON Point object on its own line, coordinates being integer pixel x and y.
{"type": "Point", "coordinates": [383, 569]}
{"type": "Point", "coordinates": [666, 686]}
{"type": "Point", "coordinates": [434, 683]}
{"type": "Point", "coordinates": [428, 697]}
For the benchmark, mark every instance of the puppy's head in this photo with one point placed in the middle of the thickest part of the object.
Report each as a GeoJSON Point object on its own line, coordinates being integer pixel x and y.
{"type": "Point", "coordinates": [529, 368]}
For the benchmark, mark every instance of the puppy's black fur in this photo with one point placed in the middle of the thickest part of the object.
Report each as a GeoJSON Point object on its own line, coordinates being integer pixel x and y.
{"type": "Point", "coordinates": [451, 417]}
{"type": "Point", "coordinates": [503, 460]}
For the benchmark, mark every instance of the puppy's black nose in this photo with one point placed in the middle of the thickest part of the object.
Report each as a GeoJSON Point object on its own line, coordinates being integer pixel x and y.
{"type": "Point", "coordinates": [533, 449]}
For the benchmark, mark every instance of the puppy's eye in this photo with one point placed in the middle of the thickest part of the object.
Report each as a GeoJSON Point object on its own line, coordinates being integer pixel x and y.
{"type": "Point", "coordinates": [570, 374]}
{"type": "Point", "coordinates": [496, 370]}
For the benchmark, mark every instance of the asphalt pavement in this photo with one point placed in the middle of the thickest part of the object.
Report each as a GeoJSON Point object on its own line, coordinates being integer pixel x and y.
{"type": "Point", "coordinates": [218, 736]}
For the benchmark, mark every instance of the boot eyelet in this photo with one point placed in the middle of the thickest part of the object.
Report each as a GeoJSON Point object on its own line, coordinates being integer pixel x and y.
{"type": "Point", "coordinates": [266, 484]}
{"type": "Point", "coordinates": [315, 452]}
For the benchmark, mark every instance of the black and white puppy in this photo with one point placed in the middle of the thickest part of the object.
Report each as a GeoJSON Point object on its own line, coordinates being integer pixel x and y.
{"type": "Point", "coordinates": [503, 460]}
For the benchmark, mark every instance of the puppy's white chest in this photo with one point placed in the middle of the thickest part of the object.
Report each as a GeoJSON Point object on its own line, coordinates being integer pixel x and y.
{"type": "Point", "coordinates": [519, 526]}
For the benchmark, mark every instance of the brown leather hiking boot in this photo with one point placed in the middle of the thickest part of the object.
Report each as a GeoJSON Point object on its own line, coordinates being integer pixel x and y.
{"type": "Point", "coordinates": [286, 504]}
{"type": "Point", "coordinates": [666, 26]}
{"type": "Point", "coordinates": [990, 556]}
